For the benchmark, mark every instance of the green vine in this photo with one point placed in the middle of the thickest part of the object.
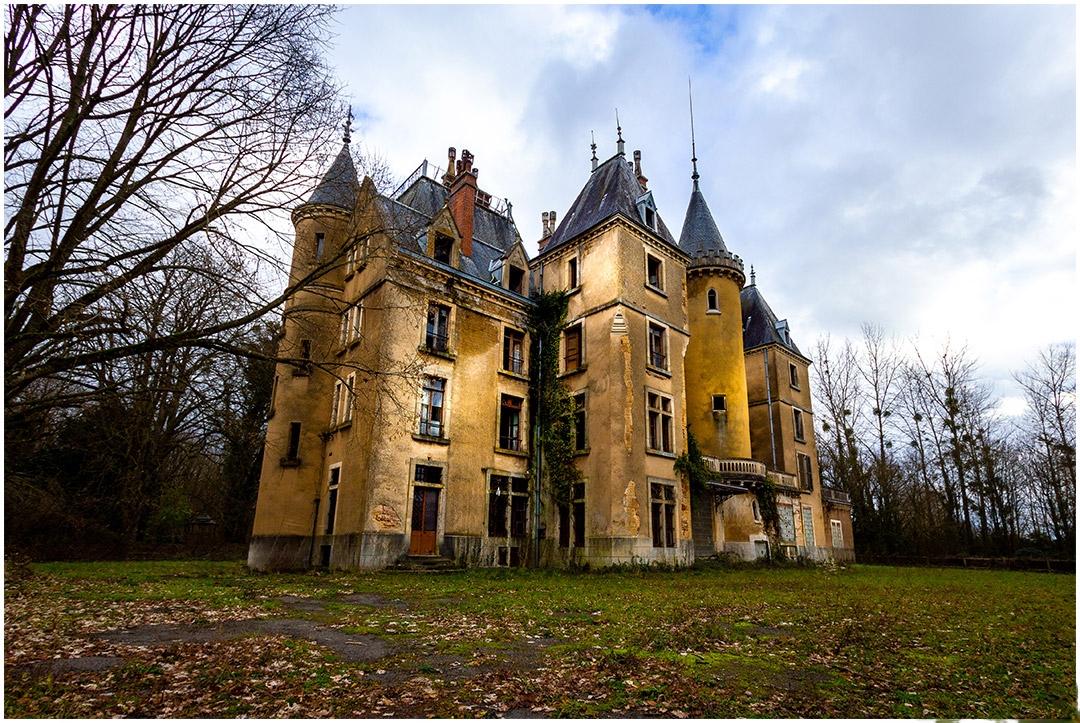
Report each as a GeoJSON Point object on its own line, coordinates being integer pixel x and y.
{"type": "Point", "coordinates": [552, 405]}
{"type": "Point", "coordinates": [766, 499]}
{"type": "Point", "coordinates": [692, 464]}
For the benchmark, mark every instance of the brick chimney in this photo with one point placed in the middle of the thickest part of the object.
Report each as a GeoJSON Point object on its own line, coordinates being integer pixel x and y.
{"type": "Point", "coordinates": [462, 199]}
{"type": "Point", "coordinates": [547, 221]}
{"type": "Point", "coordinates": [642, 181]}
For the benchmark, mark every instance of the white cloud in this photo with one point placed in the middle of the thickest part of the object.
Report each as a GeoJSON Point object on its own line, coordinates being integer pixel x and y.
{"type": "Point", "coordinates": [912, 166]}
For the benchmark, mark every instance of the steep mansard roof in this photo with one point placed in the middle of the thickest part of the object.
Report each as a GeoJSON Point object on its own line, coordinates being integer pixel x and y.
{"type": "Point", "coordinates": [611, 189]}
{"type": "Point", "coordinates": [409, 215]}
{"type": "Point", "coordinates": [340, 185]}
{"type": "Point", "coordinates": [699, 232]}
{"type": "Point", "coordinates": [759, 322]}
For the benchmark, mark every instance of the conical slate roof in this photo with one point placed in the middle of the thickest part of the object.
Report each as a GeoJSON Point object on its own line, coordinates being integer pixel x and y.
{"type": "Point", "coordinates": [699, 232]}
{"type": "Point", "coordinates": [611, 189]}
{"type": "Point", "coordinates": [759, 322]}
{"type": "Point", "coordinates": [340, 185]}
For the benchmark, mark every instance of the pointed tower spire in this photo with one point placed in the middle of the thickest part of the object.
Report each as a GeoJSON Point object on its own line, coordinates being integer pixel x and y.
{"type": "Point", "coordinates": [347, 125]}
{"type": "Point", "coordinates": [693, 143]}
{"type": "Point", "coordinates": [619, 144]}
{"type": "Point", "coordinates": [595, 160]}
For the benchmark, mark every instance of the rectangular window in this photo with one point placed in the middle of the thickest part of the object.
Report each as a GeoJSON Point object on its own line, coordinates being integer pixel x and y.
{"type": "Point", "coordinates": [787, 522]}
{"type": "Point", "coordinates": [431, 407]}
{"type": "Point", "coordinates": [350, 261]}
{"type": "Point", "coordinates": [579, 514]}
{"type": "Point", "coordinates": [719, 403]}
{"type": "Point", "coordinates": [660, 426]}
{"type": "Point", "coordinates": [331, 500]}
{"type": "Point", "coordinates": [800, 431]}
{"type": "Point", "coordinates": [438, 328]}
{"type": "Point", "coordinates": [517, 280]}
{"type": "Point", "coordinates": [793, 372]}
{"type": "Point", "coordinates": [663, 514]}
{"type": "Point", "coordinates": [510, 423]}
{"type": "Point", "coordinates": [514, 351]}
{"type": "Point", "coordinates": [581, 442]}
{"type": "Point", "coordinates": [335, 404]}
{"type": "Point", "coordinates": [837, 533]}
{"type": "Point", "coordinates": [654, 272]}
{"type": "Point", "coordinates": [657, 346]}
{"type": "Point", "coordinates": [343, 331]}
{"type": "Point", "coordinates": [808, 526]}
{"type": "Point", "coordinates": [428, 474]}
{"type": "Point", "coordinates": [444, 249]}
{"type": "Point", "coordinates": [571, 274]}
{"type": "Point", "coordinates": [508, 506]}
{"type": "Point", "coordinates": [350, 397]}
{"type": "Point", "coordinates": [806, 477]}
{"type": "Point", "coordinates": [564, 525]}
{"type": "Point", "coordinates": [320, 245]}
{"type": "Point", "coordinates": [356, 322]}
{"type": "Point", "coordinates": [572, 348]}
{"type": "Point", "coordinates": [293, 452]}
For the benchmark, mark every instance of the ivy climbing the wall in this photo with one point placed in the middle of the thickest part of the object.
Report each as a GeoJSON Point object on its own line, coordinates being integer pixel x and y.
{"type": "Point", "coordinates": [692, 464]}
{"type": "Point", "coordinates": [770, 515]}
{"type": "Point", "coordinates": [552, 405]}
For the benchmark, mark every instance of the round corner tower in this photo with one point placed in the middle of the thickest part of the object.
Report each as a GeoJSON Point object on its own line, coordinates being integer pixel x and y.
{"type": "Point", "coordinates": [717, 410]}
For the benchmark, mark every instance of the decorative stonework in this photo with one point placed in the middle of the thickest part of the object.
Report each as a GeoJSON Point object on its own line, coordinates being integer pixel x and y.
{"type": "Point", "coordinates": [632, 508]}
{"type": "Point", "coordinates": [387, 517]}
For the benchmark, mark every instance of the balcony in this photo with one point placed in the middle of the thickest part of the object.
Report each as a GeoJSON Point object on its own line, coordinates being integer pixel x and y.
{"type": "Point", "coordinates": [783, 480]}
{"type": "Point", "coordinates": [736, 470]}
{"type": "Point", "coordinates": [833, 496]}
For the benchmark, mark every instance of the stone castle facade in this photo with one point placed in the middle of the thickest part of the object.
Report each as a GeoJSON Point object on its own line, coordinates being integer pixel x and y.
{"type": "Point", "coordinates": [400, 422]}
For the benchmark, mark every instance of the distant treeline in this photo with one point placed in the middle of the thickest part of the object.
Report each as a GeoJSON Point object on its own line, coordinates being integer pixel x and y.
{"type": "Point", "coordinates": [933, 469]}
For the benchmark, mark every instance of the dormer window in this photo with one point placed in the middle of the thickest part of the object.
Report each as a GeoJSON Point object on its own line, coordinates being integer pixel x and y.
{"type": "Point", "coordinates": [444, 249]}
{"type": "Point", "coordinates": [516, 277]}
{"type": "Point", "coordinates": [647, 209]}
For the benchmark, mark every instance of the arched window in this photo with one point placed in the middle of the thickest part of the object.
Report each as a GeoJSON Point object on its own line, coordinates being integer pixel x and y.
{"type": "Point", "coordinates": [713, 306]}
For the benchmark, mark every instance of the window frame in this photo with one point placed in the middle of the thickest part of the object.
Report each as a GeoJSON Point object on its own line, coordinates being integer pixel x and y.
{"type": "Point", "coordinates": [575, 329]}
{"type": "Point", "coordinates": [333, 484]}
{"type": "Point", "coordinates": [510, 334]}
{"type": "Point", "coordinates": [335, 404]}
{"type": "Point", "coordinates": [659, 286]}
{"type": "Point", "coordinates": [806, 485]}
{"type": "Point", "coordinates": [505, 519]}
{"type": "Point", "coordinates": [793, 375]}
{"type": "Point", "coordinates": [712, 302]}
{"type": "Point", "coordinates": [349, 397]}
{"type": "Point", "coordinates": [653, 355]}
{"type": "Point", "coordinates": [573, 273]}
{"type": "Point", "coordinates": [665, 418]}
{"type": "Point", "coordinates": [723, 403]}
{"type": "Point", "coordinates": [581, 422]}
{"type": "Point", "coordinates": [427, 405]}
{"type": "Point", "coordinates": [663, 519]}
{"type": "Point", "coordinates": [294, 442]}
{"type": "Point", "coordinates": [434, 341]}
{"type": "Point", "coordinates": [522, 289]}
{"type": "Point", "coordinates": [836, 530]}
{"type": "Point", "coordinates": [320, 245]}
{"type": "Point", "coordinates": [799, 424]}
{"type": "Point", "coordinates": [515, 443]}
{"type": "Point", "coordinates": [435, 248]}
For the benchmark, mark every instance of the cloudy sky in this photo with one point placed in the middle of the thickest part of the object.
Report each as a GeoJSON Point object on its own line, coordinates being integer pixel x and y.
{"type": "Point", "coordinates": [910, 166]}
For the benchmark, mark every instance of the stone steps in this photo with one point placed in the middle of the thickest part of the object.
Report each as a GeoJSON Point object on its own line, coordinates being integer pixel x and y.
{"type": "Point", "coordinates": [425, 563]}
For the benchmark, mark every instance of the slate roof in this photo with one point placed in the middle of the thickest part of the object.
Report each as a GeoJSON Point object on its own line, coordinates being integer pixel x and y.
{"type": "Point", "coordinates": [611, 189]}
{"type": "Point", "coordinates": [699, 232]}
{"type": "Point", "coordinates": [409, 215]}
{"type": "Point", "coordinates": [759, 322]}
{"type": "Point", "coordinates": [340, 185]}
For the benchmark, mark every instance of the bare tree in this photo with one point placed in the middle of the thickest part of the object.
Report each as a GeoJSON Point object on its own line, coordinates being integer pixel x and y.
{"type": "Point", "coordinates": [134, 132]}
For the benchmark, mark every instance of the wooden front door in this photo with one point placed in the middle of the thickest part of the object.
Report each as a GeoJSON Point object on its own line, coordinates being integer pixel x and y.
{"type": "Point", "coordinates": [425, 519]}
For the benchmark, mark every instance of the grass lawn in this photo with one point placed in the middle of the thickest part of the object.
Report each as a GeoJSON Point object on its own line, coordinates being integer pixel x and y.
{"type": "Point", "coordinates": [212, 639]}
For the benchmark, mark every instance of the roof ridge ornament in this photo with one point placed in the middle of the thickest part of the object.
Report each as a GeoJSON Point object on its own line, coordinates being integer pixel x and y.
{"type": "Point", "coordinates": [619, 144]}
{"type": "Point", "coordinates": [693, 143]}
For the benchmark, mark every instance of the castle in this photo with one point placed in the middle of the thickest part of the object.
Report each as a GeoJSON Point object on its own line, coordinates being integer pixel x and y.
{"type": "Point", "coordinates": [400, 416]}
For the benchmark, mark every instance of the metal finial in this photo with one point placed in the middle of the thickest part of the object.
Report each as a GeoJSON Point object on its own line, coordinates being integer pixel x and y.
{"type": "Point", "coordinates": [347, 125]}
{"type": "Point", "coordinates": [753, 276]}
{"type": "Point", "coordinates": [594, 159]}
{"type": "Point", "coordinates": [693, 143]}
{"type": "Point", "coordinates": [618, 128]}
